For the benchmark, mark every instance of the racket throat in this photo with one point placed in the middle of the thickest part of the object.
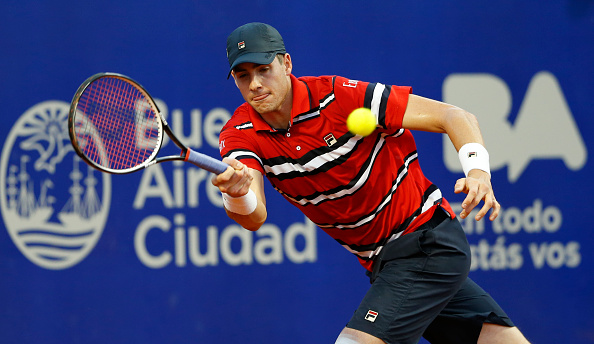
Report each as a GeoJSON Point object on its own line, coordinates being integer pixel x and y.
{"type": "Point", "coordinates": [185, 153]}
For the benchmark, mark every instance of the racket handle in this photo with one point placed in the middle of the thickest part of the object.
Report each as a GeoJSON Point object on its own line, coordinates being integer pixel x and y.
{"type": "Point", "coordinates": [206, 162]}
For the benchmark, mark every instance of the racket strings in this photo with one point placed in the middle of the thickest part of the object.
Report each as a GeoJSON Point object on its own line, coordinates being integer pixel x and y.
{"type": "Point", "coordinates": [120, 121]}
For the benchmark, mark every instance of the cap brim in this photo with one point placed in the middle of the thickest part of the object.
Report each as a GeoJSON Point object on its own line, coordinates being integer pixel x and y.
{"type": "Point", "coordinates": [257, 58]}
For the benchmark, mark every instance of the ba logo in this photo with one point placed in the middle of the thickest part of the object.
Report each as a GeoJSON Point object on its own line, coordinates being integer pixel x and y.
{"type": "Point", "coordinates": [544, 127]}
{"type": "Point", "coordinates": [54, 207]}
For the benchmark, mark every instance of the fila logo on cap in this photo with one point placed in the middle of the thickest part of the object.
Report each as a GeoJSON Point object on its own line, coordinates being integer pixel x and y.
{"type": "Point", "coordinates": [241, 45]}
{"type": "Point", "coordinates": [371, 315]}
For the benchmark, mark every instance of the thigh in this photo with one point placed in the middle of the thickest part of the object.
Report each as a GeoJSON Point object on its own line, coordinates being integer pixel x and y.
{"type": "Point", "coordinates": [462, 318]}
{"type": "Point", "coordinates": [414, 286]}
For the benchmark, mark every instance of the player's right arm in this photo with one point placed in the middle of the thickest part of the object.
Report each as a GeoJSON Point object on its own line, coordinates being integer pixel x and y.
{"type": "Point", "coordinates": [237, 181]}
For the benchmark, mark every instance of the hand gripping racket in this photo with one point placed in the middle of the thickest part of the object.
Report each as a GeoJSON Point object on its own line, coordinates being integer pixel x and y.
{"type": "Point", "coordinates": [116, 127]}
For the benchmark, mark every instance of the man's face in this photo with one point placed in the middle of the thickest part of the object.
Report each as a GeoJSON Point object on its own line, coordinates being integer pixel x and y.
{"type": "Point", "coordinates": [264, 87]}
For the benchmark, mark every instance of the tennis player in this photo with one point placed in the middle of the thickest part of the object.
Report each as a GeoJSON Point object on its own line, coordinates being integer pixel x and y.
{"type": "Point", "coordinates": [368, 193]}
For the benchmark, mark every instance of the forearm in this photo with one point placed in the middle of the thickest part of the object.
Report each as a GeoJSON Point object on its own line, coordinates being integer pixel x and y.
{"type": "Point", "coordinates": [251, 212]}
{"type": "Point", "coordinates": [431, 115]}
{"type": "Point", "coordinates": [252, 221]}
{"type": "Point", "coordinates": [461, 127]}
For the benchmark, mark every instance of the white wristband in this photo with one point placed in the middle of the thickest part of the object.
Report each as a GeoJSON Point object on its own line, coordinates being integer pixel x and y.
{"type": "Point", "coordinates": [242, 205]}
{"type": "Point", "coordinates": [474, 156]}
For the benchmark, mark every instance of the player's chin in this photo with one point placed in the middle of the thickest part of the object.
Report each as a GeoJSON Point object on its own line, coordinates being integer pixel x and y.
{"type": "Point", "coordinates": [262, 107]}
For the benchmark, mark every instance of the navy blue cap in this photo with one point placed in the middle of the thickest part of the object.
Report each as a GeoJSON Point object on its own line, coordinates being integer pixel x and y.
{"type": "Point", "coordinates": [254, 42]}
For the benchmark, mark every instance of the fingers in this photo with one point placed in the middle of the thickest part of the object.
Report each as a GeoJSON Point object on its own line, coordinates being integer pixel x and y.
{"type": "Point", "coordinates": [477, 190]}
{"type": "Point", "coordinates": [490, 203]}
{"type": "Point", "coordinates": [472, 199]}
{"type": "Point", "coordinates": [236, 164]}
{"type": "Point", "coordinates": [460, 185]}
{"type": "Point", "coordinates": [496, 208]}
{"type": "Point", "coordinates": [236, 180]}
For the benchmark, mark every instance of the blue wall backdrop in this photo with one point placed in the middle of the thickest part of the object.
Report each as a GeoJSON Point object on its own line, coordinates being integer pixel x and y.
{"type": "Point", "coordinates": [151, 257]}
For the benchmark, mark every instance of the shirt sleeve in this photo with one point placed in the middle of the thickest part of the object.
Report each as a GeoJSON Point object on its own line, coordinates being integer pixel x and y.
{"type": "Point", "coordinates": [236, 143]}
{"type": "Point", "coordinates": [387, 102]}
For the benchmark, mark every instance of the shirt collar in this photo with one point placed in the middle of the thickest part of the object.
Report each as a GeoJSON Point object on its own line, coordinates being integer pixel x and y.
{"type": "Point", "coordinates": [299, 106]}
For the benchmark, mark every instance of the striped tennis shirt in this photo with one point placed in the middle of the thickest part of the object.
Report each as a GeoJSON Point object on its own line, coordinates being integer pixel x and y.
{"type": "Point", "coordinates": [363, 192]}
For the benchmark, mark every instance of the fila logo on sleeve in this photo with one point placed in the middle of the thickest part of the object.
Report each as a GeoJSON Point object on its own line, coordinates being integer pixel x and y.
{"type": "Point", "coordinates": [351, 83]}
{"type": "Point", "coordinates": [371, 315]}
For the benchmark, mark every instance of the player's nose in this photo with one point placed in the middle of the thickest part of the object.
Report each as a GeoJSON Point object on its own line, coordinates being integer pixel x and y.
{"type": "Point", "coordinates": [255, 83]}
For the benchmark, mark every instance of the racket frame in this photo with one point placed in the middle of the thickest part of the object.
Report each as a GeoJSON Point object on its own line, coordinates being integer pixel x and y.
{"type": "Point", "coordinates": [162, 127]}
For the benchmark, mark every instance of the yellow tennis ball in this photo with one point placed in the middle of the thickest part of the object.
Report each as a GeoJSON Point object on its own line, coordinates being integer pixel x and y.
{"type": "Point", "coordinates": [361, 122]}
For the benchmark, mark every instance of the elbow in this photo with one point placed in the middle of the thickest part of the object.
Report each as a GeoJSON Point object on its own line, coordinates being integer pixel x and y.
{"type": "Point", "coordinates": [253, 227]}
{"type": "Point", "coordinates": [257, 218]}
{"type": "Point", "coordinates": [467, 117]}
{"type": "Point", "coordinates": [460, 118]}
{"type": "Point", "coordinates": [251, 222]}
{"type": "Point", "coordinates": [255, 223]}
{"type": "Point", "coordinates": [456, 112]}
{"type": "Point", "coordinates": [471, 119]}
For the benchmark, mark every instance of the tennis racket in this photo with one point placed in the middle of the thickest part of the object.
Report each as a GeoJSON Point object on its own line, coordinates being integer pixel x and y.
{"type": "Point", "coordinates": [116, 127]}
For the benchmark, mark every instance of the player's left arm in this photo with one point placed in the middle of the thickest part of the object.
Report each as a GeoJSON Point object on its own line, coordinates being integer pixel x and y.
{"type": "Point", "coordinates": [462, 127]}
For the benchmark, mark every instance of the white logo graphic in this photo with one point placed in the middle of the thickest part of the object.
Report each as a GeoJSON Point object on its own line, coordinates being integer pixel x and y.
{"type": "Point", "coordinates": [54, 207]}
{"type": "Point", "coordinates": [544, 127]}
{"type": "Point", "coordinates": [371, 316]}
{"type": "Point", "coordinates": [330, 140]}
{"type": "Point", "coordinates": [351, 84]}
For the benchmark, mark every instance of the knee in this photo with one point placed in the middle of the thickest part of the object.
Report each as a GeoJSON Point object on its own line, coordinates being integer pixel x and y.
{"type": "Point", "coordinates": [352, 336]}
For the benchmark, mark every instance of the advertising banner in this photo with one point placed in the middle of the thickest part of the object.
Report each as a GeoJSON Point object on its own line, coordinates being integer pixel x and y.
{"type": "Point", "coordinates": [151, 256]}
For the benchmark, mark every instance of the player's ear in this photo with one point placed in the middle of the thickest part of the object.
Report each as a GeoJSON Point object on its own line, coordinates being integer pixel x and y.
{"type": "Point", "coordinates": [234, 78]}
{"type": "Point", "coordinates": [288, 64]}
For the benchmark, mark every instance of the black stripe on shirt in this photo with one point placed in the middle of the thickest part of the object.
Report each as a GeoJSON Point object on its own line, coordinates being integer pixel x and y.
{"type": "Point", "coordinates": [242, 154]}
{"type": "Point", "coordinates": [432, 188]}
{"type": "Point", "coordinates": [327, 100]}
{"type": "Point", "coordinates": [374, 246]}
{"type": "Point", "coordinates": [308, 93]}
{"type": "Point", "coordinates": [309, 156]}
{"type": "Point", "coordinates": [306, 116]}
{"type": "Point", "coordinates": [343, 190]}
{"type": "Point", "coordinates": [368, 95]}
{"type": "Point", "coordinates": [383, 105]}
{"type": "Point", "coordinates": [368, 100]}
{"type": "Point", "coordinates": [400, 176]}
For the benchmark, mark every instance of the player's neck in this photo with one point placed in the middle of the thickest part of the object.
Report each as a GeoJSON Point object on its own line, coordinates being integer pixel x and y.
{"type": "Point", "coordinates": [281, 118]}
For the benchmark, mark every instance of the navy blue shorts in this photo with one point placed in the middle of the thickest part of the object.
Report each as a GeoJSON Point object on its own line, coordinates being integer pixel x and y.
{"type": "Point", "coordinates": [423, 289]}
